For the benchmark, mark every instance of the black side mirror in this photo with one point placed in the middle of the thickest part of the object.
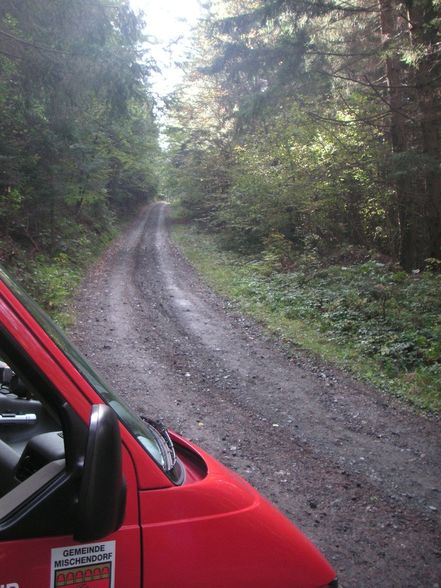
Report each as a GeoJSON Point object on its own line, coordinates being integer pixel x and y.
{"type": "Point", "coordinates": [102, 496]}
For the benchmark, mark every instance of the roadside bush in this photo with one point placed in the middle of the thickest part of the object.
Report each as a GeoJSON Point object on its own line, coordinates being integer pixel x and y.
{"type": "Point", "coordinates": [51, 280]}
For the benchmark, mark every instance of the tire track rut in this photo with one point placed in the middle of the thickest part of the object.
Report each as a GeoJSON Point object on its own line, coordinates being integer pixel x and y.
{"type": "Point", "coordinates": [357, 471]}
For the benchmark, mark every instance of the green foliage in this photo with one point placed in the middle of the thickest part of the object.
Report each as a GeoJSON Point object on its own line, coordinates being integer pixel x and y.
{"type": "Point", "coordinates": [278, 254]}
{"type": "Point", "coordinates": [300, 179]}
{"type": "Point", "coordinates": [78, 137]}
{"type": "Point", "coordinates": [291, 123]}
{"type": "Point", "coordinates": [372, 318]}
{"type": "Point", "coordinates": [52, 279]}
{"type": "Point", "coordinates": [432, 264]}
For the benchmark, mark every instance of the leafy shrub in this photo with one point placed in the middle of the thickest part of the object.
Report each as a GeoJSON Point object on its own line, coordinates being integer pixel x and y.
{"type": "Point", "coordinates": [51, 280]}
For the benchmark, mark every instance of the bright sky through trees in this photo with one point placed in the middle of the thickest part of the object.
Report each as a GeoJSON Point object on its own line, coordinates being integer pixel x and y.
{"type": "Point", "coordinates": [168, 24]}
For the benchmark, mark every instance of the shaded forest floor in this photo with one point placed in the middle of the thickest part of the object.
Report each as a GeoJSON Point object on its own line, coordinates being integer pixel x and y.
{"type": "Point", "coordinates": [49, 276]}
{"type": "Point", "coordinates": [363, 314]}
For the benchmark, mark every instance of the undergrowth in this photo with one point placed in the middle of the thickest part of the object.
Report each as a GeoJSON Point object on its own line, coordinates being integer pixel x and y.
{"type": "Point", "coordinates": [52, 279]}
{"type": "Point", "coordinates": [370, 318]}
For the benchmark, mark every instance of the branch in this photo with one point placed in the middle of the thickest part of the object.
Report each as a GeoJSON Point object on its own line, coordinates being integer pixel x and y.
{"type": "Point", "coordinates": [33, 45]}
{"type": "Point", "coordinates": [332, 54]}
{"type": "Point", "coordinates": [345, 123]}
{"type": "Point", "coordinates": [334, 74]}
{"type": "Point", "coordinates": [357, 9]}
{"type": "Point", "coordinates": [9, 55]}
{"type": "Point", "coordinates": [383, 99]}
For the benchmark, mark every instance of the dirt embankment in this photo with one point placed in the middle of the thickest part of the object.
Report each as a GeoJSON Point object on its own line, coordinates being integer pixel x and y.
{"type": "Point", "coordinates": [355, 470]}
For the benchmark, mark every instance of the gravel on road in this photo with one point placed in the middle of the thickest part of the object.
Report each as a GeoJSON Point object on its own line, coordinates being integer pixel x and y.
{"type": "Point", "coordinates": [356, 470]}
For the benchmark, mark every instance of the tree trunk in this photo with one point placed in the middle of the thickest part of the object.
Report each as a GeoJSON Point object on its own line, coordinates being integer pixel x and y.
{"type": "Point", "coordinates": [407, 209]}
{"type": "Point", "coordinates": [423, 32]}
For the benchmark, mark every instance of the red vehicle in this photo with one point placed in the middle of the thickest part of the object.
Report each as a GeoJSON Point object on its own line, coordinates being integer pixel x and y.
{"type": "Point", "coordinates": [93, 496]}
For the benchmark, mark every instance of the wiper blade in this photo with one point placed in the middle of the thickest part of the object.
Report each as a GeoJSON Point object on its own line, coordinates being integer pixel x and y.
{"type": "Point", "coordinates": [165, 442]}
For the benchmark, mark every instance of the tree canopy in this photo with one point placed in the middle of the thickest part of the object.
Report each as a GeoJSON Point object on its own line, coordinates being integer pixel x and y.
{"type": "Point", "coordinates": [318, 121]}
{"type": "Point", "coordinates": [78, 133]}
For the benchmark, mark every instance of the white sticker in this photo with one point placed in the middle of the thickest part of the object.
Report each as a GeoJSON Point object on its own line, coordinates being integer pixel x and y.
{"type": "Point", "coordinates": [91, 564]}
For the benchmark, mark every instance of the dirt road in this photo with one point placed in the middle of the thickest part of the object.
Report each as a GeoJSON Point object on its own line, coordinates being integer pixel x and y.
{"type": "Point", "coordinates": [358, 472]}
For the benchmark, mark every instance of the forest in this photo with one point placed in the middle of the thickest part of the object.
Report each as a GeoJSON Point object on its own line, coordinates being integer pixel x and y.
{"type": "Point", "coordinates": [304, 142]}
{"type": "Point", "coordinates": [318, 121]}
{"type": "Point", "coordinates": [78, 135]}
{"type": "Point", "coordinates": [307, 140]}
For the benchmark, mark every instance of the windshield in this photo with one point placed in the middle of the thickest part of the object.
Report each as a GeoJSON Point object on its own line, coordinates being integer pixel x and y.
{"type": "Point", "coordinates": [152, 438]}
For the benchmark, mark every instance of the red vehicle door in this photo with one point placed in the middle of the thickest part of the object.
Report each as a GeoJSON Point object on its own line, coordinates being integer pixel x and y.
{"type": "Point", "coordinates": [45, 432]}
{"type": "Point", "coordinates": [93, 496]}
